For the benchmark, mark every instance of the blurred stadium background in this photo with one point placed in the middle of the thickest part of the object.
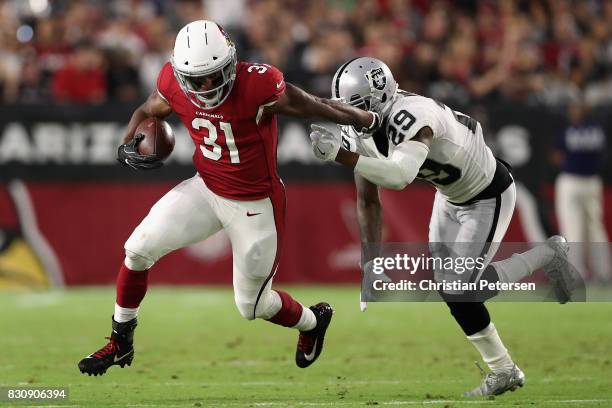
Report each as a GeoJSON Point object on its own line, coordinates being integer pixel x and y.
{"type": "Point", "coordinates": [71, 72]}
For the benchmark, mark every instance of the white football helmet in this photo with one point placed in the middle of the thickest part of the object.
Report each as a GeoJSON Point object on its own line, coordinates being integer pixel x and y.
{"type": "Point", "coordinates": [203, 49]}
{"type": "Point", "coordinates": [352, 85]}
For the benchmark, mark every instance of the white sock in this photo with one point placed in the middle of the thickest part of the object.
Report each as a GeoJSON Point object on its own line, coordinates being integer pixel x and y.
{"type": "Point", "coordinates": [124, 314]}
{"type": "Point", "coordinates": [513, 269]}
{"type": "Point", "coordinates": [491, 348]}
{"type": "Point", "coordinates": [539, 256]}
{"type": "Point", "coordinates": [307, 321]}
{"type": "Point", "coordinates": [519, 266]}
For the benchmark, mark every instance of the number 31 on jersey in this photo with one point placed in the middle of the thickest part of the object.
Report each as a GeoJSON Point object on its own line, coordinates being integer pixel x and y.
{"type": "Point", "coordinates": [214, 153]}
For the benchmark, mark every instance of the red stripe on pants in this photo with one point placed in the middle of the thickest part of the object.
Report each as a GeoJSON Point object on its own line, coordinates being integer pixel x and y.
{"type": "Point", "coordinates": [290, 311]}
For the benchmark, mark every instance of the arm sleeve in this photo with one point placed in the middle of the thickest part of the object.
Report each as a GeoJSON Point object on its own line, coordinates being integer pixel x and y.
{"type": "Point", "coordinates": [399, 170]}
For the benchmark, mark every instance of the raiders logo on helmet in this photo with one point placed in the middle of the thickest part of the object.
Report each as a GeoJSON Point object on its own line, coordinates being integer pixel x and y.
{"type": "Point", "coordinates": [378, 78]}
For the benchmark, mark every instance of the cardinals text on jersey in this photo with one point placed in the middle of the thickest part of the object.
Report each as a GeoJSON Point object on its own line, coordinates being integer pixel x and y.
{"type": "Point", "coordinates": [235, 148]}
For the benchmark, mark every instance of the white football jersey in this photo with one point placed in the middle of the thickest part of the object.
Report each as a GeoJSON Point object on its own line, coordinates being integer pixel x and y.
{"type": "Point", "coordinates": [459, 163]}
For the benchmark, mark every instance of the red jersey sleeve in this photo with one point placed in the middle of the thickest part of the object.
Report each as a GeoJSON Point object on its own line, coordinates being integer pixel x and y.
{"type": "Point", "coordinates": [166, 82]}
{"type": "Point", "coordinates": [268, 83]}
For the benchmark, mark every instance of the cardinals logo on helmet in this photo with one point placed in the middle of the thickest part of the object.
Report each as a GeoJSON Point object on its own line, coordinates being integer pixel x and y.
{"type": "Point", "coordinates": [228, 39]}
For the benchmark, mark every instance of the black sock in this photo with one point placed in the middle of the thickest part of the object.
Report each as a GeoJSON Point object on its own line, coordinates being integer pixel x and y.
{"type": "Point", "coordinates": [471, 316]}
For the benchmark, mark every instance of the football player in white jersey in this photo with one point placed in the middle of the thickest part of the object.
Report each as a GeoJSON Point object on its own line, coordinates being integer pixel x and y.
{"type": "Point", "coordinates": [422, 138]}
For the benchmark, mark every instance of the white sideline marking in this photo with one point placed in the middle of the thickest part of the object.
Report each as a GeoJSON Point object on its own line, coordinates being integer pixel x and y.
{"type": "Point", "coordinates": [285, 383]}
{"type": "Point", "coordinates": [497, 403]}
{"type": "Point", "coordinates": [430, 402]}
{"type": "Point", "coordinates": [45, 406]}
{"type": "Point", "coordinates": [350, 382]}
{"type": "Point", "coordinates": [343, 382]}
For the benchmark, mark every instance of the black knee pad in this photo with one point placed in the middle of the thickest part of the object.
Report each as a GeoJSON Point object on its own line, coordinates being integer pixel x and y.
{"type": "Point", "coordinates": [471, 316]}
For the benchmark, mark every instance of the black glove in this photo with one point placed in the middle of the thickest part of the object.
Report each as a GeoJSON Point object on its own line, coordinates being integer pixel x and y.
{"type": "Point", "coordinates": [128, 155]}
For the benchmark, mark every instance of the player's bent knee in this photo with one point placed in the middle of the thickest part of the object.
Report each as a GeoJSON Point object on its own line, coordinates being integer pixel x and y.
{"type": "Point", "coordinates": [137, 262]}
{"type": "Point", "coordinates": [259, 257]}
{"type": "Point", "coordinates": [265, 308]}
{"type": "Point", "coordinates": [246, 309]}
{"type": "Point", "coordinates": [268, 306]}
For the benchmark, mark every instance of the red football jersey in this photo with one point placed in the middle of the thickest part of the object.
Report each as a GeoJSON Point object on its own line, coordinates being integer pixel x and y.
{"type": "Point", "coordinates": [235, 147]}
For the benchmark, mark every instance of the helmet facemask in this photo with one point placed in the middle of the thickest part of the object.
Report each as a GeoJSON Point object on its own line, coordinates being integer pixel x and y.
{"type": "Point", "coordinates": [223, 80]}
{"type": "Point", "coordinates": [360, 102]}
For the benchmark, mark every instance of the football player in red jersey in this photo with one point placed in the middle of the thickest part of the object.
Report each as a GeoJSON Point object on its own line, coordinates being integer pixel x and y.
{"type": "Point", "coordinates": [230, 109]}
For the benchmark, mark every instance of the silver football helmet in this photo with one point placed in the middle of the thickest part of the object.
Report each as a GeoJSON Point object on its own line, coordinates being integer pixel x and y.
{"type": "Point", "coordinates": [365, 83]}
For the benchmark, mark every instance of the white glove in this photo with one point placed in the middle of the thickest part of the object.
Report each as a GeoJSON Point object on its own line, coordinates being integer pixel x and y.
{"type": "Point", "coordinates": [363, 306]}
{"type": "Point", "coordinates": [325, 144]}
{"type": "Point", "coordinates": [367, 282]}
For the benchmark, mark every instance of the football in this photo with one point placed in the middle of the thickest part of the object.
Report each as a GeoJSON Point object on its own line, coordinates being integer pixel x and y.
{"type": "Point", "coordinates": [158, 138]}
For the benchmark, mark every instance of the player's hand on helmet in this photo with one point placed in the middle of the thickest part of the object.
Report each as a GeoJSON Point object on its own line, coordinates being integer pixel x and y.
{"type": "Point", "coordinates": [128, 155]}
{"type": "Point", "coordinates": [367, 132]}
{"type": "Point", "coordinates": [325, 144]}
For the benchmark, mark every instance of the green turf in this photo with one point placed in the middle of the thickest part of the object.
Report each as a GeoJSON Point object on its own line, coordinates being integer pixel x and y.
{"type": "Point", "coordinates": [194, 349]}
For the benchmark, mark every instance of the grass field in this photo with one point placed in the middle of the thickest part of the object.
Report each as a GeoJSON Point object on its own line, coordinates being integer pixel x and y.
{"type": "Point", "coordinates": [194, 350]}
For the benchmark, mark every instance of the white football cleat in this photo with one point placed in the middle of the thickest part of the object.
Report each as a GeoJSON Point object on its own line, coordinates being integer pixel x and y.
{"type": "Point", "coordinates": [496, 384]}
{"type": "Point", "coordinates": [562, 274]}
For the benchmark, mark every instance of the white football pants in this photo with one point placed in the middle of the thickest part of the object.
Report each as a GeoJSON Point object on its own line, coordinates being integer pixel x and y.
{"type": "Point", "coordinates": [578, 202]}
{"type": "Point", "coordinates": [469, 231]}
{"type": "Point", "coordinates": [190, 213]}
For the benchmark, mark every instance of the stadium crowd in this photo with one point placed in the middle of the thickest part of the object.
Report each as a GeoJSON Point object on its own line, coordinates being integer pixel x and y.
{"type": "Point", "coordinates": [537, 51]}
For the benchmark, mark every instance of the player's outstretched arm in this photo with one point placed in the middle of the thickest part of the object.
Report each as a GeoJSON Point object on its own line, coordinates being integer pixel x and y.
{"type": "Point", "coordinates": [395, 172]}
{"type": "Point", "coordinates": [154, 106]}
{"type": "Point", "coordinates": [297, 102]}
